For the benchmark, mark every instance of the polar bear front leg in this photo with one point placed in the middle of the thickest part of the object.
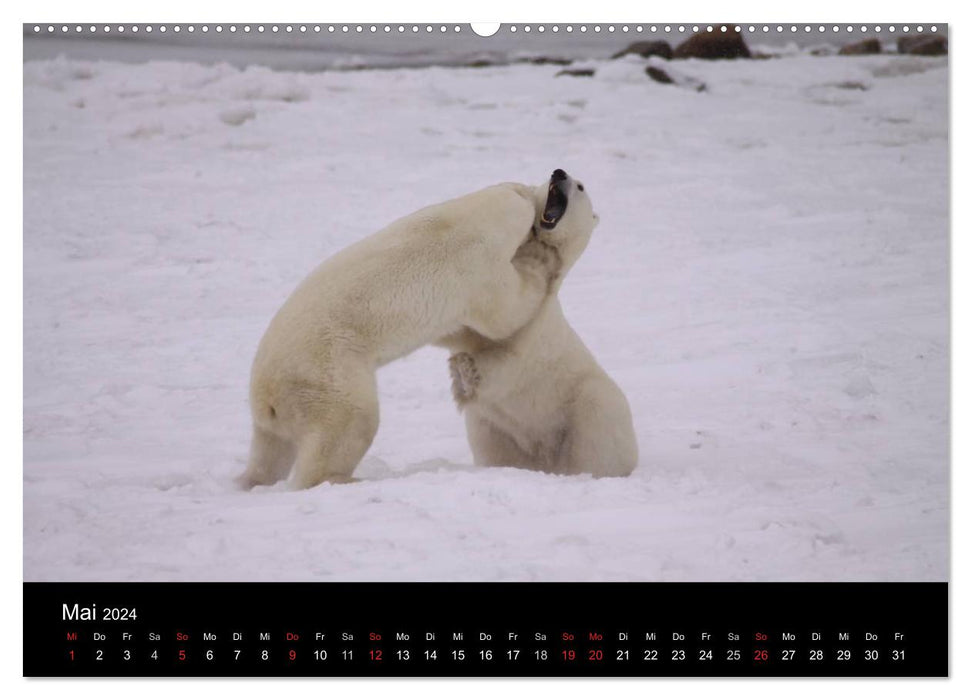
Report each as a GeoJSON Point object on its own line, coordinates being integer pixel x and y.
{"type": "Point", "coordinates": [512, 296]}
{"type": "Point", "coordinates": [465, 377]}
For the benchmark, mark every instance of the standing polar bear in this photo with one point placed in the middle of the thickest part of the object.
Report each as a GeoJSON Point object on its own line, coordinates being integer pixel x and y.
{"type": "Point", "coordinates": [421, 280]}
{"type": "Point", "coordinates": [539, 399]}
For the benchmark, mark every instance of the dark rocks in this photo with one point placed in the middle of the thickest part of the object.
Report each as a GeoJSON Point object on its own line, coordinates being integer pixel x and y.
{"type": "Point", "coordinates": [861, 48]}
{"type": "Point", "coordinates": [923, 45]}
{"type": "Point", "coordinates": [646, 49]}
{"type": "Point", "coordinates": [714, 44]}
{"type": "Point", "coordinates": [576, 72]}
{"type": "Point", "coordinates": [666, 77]}
{"type": "Point", "coordinates": [659, 75]}
{"type": "Point", "coordinates": [546, 61]}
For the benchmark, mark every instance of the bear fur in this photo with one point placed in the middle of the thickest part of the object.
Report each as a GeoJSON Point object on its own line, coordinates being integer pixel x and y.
{"type": "Point", "coordinates": [539, 399]}
{"type": "Point", "coordinates": [421, 280]}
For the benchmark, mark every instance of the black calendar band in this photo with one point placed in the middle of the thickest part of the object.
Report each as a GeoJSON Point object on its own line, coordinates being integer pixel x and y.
{"type": "Point", "coordinates": [486, 629]}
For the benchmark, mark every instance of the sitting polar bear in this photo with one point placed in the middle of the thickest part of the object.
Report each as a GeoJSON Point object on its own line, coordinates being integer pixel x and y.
{"type": "Point", "coordinates": [539, 399]}
{"type": "Point", "coordinates": [421, 280]}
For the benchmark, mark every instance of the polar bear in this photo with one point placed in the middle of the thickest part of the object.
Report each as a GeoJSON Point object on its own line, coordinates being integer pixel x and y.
{"type": "Point", "coordinates": [421, 280]}
{"type": "Point", "coordinates": [539, 399]}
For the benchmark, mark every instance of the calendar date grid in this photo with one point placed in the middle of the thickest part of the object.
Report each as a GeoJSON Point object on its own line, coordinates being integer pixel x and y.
{"type": "Point", "coordinates": [187, 647]}
{"type": "Point", "coordinates": [483, 629]}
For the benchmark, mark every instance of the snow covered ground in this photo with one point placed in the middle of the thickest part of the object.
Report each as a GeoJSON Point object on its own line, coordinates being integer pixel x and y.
{"type": "Point", "coordinates": [768, 284]}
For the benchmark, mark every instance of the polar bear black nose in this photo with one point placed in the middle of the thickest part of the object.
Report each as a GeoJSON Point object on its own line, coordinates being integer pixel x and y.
{"type": "Point", "coordinates": [558, 176]}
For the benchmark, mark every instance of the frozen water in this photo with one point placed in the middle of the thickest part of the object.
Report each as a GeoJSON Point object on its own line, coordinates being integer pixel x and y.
{"type": "Point", "coordinates": [768, 284]}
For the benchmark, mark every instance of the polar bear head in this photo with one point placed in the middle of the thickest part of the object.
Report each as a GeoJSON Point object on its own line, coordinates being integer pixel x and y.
{"type": "Point", "coordinates": [564, 217]}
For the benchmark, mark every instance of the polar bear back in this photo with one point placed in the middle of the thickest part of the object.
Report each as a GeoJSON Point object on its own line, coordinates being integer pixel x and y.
{"type": "Point", "coordinates": [388, 293]}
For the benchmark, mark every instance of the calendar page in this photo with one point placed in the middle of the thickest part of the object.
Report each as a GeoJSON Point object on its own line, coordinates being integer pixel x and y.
{"type": "Point", "coordinates": [496, 350]}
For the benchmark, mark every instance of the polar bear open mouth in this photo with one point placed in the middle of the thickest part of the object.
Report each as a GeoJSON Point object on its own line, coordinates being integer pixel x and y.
{"type": "Point", "coordinates": [556, 200]}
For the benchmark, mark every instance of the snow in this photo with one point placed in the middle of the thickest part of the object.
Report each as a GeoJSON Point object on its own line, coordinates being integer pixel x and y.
{"type": "Point", "coordinates": [768, 285]}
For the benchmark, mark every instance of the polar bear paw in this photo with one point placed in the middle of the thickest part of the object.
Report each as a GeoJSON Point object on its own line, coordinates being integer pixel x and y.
{"type": "Point", "coordinates": [465, 377]}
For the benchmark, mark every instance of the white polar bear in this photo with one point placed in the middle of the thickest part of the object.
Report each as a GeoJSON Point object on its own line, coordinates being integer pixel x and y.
{"type": "Point", "coordinates": [539, 399]}
{"type": "Point", "coordinates": [424, 278]}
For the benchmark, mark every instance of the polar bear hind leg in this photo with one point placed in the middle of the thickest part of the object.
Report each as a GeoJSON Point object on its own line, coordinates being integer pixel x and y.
{"type": "Point", "coordinates": [270, 459]}
{"type": "Point", "coordinates": [492, 447]}
{"type": "Point", "coordinates": [337, 431]}
{"type": "Point", "coordinates": [600, 440]}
